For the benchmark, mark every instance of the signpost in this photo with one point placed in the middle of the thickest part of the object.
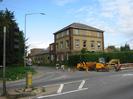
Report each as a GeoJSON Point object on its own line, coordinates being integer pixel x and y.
{"type": "Point", "coordinates": [4, 61]}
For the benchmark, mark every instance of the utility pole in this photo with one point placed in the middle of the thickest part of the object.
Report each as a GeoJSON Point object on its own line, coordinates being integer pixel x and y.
{"type": "Point", "coordinates": [4, 62]}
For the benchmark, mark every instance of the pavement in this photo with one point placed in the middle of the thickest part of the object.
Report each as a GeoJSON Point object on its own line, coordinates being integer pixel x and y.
{"type": "Point", "coordinates": [41, 73]}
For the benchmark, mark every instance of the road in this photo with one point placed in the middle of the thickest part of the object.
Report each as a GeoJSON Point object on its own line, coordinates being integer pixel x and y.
{"type": "Point", "coordinates": [103, 86]}
{"type": "Point", "coordinates": [84, 85]}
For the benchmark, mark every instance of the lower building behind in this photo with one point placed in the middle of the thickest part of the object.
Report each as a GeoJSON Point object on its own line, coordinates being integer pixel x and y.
{"type": "Point", "coordinates": [39, 56]}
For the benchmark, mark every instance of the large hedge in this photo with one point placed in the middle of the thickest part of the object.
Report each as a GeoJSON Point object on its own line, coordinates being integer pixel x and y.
{"type": "Point", "coordinates": [125, 57]}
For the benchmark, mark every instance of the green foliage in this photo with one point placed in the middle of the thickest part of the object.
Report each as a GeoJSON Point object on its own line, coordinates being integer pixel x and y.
{"type": "Point", "coordinates": [112, 49]}
{"type": "Point", "coordinates": [125, 57]}
{"type": "Point", "coordinates": [16, 73]}
{"type": "Point", "coordinates": [84, 50]}
{"type": "Point", "coordinates": [125, 48]}
{"type": "Point", "coordinates": [14, 39]}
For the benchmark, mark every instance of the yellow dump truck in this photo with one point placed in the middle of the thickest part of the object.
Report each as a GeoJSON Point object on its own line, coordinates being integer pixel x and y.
{"type": "Point", "coordinates": [86, 66]}
{"type": "Point", "coordinates": [101, 67]}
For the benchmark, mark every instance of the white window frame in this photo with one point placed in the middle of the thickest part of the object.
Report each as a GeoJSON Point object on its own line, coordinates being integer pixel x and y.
{"type": "Point", "coordinates": [77, 43]}
{"type": "Point", "coordinates": [51, 47]}
{"type": "Point", "coordinates": [76, 31]}
{"type": "Point", "coordinates": [57, 45]}
{"type": "Point", "coordinates": [52, 57]}
{"type": "Point", "coordinates": [99, 45]}
{"type": "Point", "coordinates": [61, 44]}
{"type": "Point", "coordinates": [62, 34]}
{"type": "Point", "coordinates": [85, 41]}
{"type": "Point", "coordinates": [92, 43]}
{"type": "Point", "coordinates": [67, 43]}
{"type": "Point", "coordinates": [98, 34]}
{"type": "Point", "coordinates": [67, 32]}
{"type": "Point", "coordinates": [57, 58]}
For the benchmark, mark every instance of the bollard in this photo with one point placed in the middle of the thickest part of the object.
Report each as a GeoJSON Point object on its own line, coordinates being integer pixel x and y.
{"type": "Point", "coordinates": [28, 79]}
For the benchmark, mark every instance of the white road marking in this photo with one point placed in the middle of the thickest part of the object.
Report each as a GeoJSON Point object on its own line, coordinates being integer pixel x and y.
{"type": "Point", "coordinates": [82, 84]}
{"type": "Point", "coordinates": [62, 93]}
{"type": "Point", "coordinates": [60, 88]}
{"type": "Point", "coordinates": [63, 83]}
{"type": "Point", "coordinates": [127, 75]}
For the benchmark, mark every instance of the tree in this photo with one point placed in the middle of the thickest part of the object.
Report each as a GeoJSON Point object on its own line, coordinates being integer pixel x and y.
{"type": "Point", "coordinates": [14, 38]}
{"type": "Point", "coordinates": [84, 50]}
{"type": "Point", "coordinates": [112, 49]}
{"type": "Point", "coordinates": [125, 48]}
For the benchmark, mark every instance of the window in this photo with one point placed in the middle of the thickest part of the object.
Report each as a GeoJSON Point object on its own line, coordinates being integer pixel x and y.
{"type": "Point", "coordinates": [67, 43]}
{"type": "Point", "coordinates": [57, 36]}
{"type": "Point", "coordinates": [98, 34]}
{"type": "Point", "coordinates": [84, 43]}
{"type": "Point", "coordinates": [51, 47]}
{"type": "Point", "coordinates": [62, 57]}
{"type": "Point", "coordinates": [77, 43]}
{"type": "Point", "coordinates": [61, 44]}
{"type": "Point", "coordinates": [52, 57]}
{"type": "Point", "coordinates": [62, 34]}
{"type": "Point", "coordinates": [76, 31]}
{"type": "Point", "coordinates": [16, 46]}
{"type": "Point", "coordinates": [98, 44]}
{"type": "Point", "coordinates": [67, 56]}
{"type": "Point", "coordinates": [92, 44]}
{"type": "Point", "coordinates": [57, 45]}
{"type": "Point", "coordinates": [57, 58]}
{"type": "Point", "coordinates": [67, 32]}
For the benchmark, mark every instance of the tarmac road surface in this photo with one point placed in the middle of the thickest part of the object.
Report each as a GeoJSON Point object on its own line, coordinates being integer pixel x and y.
{"type": "Point", "coordinates": [82, 85]}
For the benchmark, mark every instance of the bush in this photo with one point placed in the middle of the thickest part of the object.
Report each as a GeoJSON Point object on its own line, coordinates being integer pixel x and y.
{"type": "Point", "coordinates": [16, 73]}
{"type": "Point", "coordinates": [125, 57]}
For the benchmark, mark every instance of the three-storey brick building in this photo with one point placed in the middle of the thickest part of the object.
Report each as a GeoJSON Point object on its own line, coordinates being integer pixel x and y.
{"type": "Point", "coordinates": [73, 38]}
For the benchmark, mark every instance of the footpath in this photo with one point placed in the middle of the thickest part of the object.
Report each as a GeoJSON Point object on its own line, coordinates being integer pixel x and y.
{"type": "Point", "coordinates": [41, 72]}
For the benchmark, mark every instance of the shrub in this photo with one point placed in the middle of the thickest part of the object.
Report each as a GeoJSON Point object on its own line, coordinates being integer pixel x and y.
{"type": "Point", "coordinates": [15, 73]}
{"type": "Point", "coordinates": [125, 57]}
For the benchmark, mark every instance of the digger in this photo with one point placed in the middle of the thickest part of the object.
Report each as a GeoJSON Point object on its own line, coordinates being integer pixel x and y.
{"type": "Point", "coordinates": [113, 64]}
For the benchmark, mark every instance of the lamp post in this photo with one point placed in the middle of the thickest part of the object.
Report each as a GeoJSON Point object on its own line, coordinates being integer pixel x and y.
{"type": "Point", "coordinates": [25, 33]}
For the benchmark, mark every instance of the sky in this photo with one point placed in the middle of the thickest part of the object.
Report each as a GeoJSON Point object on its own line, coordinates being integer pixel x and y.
{"type": "Point", "coordinates": [115, 17]}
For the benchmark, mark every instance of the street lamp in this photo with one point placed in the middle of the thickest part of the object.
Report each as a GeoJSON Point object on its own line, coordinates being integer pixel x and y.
{"type": "Point", "coordinates": [25, 33]}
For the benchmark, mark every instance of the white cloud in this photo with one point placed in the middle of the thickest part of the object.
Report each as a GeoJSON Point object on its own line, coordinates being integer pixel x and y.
{"type": "Point", "coordinates": [121, 11]}
{"type": "Point", "coordinates": [39, 45]}
{"type": "Point", "coordinates": [63, 2]}
{"type": "Point", "coordinates": [115, 17]}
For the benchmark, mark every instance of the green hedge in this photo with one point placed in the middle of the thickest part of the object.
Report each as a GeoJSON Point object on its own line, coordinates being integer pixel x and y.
{"type": "Point", "coordinates": [125, 57]}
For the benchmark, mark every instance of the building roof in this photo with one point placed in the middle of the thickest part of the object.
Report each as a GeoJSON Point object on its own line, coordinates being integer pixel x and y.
{"type": "Point", "coordinates": [38, 51]}
{"type": "Point", "coordinates": [80, 26]}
